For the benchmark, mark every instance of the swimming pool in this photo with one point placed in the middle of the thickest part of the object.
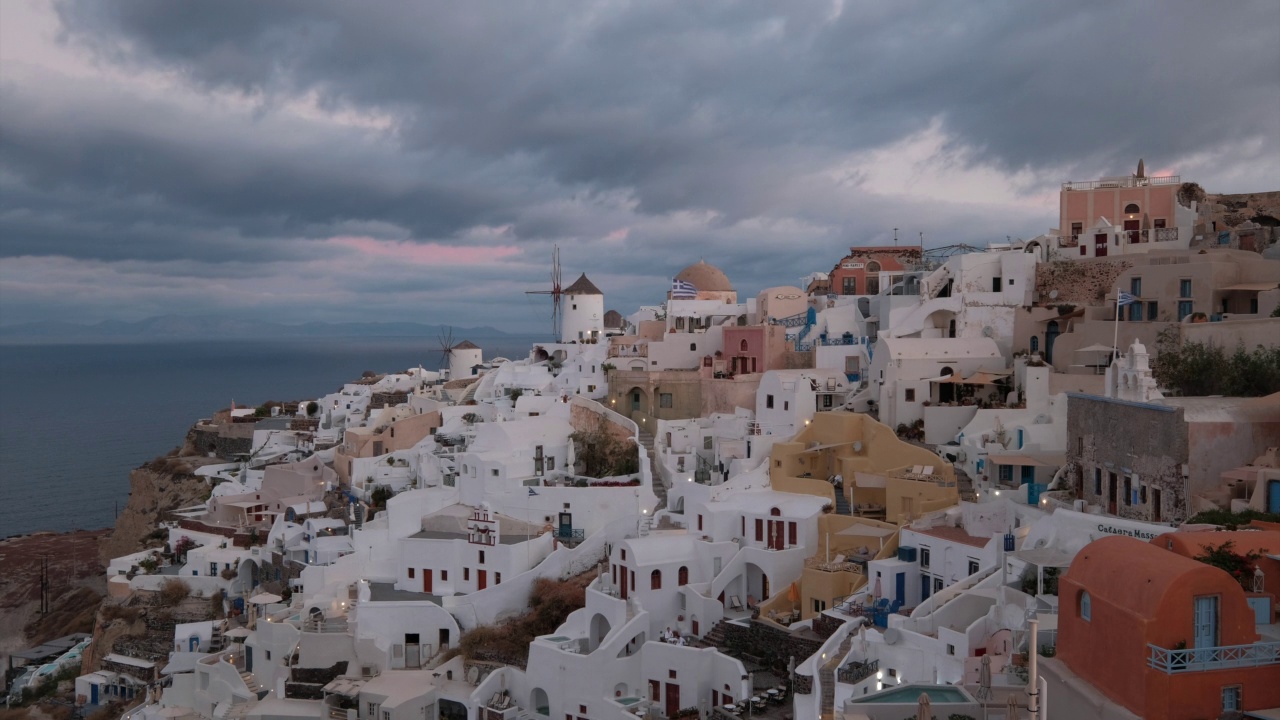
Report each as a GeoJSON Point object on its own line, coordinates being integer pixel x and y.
{"type": "Point", "coordinates": [627, 701]}
{"type": "Point", "coordinates": [911, 693]}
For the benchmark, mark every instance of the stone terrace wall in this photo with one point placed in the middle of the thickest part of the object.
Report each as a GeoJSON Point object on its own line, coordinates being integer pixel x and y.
{"type": "Point", "coordinates": [774, 646]}
{"type": "Point", "coordinates": [1081, 282]}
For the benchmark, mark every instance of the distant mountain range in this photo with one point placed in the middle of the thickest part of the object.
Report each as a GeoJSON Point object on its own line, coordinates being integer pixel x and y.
{"type": "Point", "coordinates": [201, 327]}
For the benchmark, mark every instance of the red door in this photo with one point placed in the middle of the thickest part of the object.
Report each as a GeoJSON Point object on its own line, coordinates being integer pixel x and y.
{"type": "Point", "coordinates": [1131, 229]}
{"type": "Point", "coordinates": [482, 579]}
{"type": "Point", "coordinates": [426, 580]}
{"type": "Point", "coordinates": [696, 633]}
{"type": "Point", "coordinates": [673, 699]}
{"type": "Point", "coordinates": [1100, 245]}
{"type": "Point", "coordinates": [655, 690]}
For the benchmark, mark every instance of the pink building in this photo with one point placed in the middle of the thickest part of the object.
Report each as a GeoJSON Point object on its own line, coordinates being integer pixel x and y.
{"type": "Point", "coordinates": [1107, 216]}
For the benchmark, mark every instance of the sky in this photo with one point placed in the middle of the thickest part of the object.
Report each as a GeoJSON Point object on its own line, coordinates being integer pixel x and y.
{"type": "Point", "coordinates": [325, 160]}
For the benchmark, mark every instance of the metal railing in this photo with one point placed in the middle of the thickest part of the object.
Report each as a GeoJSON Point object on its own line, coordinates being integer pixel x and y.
{"type": "Point", "coordinates": [797, 320]}
{"type": "Point", "coordinates": [1119, 182]}
{"type": "Point", "coordinates": [1213, 658]}
{"type": "Point", "coordinates": [856, 672]}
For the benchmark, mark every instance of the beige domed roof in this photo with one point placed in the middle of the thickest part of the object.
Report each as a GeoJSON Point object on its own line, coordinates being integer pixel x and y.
{"type": "Point", "coordinates": [706, 278]}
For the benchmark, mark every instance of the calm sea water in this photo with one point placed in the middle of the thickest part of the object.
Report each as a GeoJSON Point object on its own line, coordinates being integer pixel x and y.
{"type": "Point", "coordinates": [75, 419]}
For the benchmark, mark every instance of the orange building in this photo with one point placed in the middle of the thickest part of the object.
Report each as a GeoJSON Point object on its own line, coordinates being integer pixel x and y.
{"type": "Point", "coordinates": [1264, 542]}
{"type": "Point", "coordinates": [1167, 637]}
{"type": "Point", "coordinates": [859, 272]}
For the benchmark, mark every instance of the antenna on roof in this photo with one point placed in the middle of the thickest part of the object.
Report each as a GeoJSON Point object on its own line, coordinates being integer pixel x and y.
{"type": "Point", "coordinates": [554, 292]}
{"type": "Point", "coordinates": [895, 237]}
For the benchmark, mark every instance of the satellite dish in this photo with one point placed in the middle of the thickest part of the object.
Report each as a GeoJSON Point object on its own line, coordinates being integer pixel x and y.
{"type": "Point", "coordinates": [1053, 294]}
{"type": "Point", "coordinates": [473, 675]}
{"type": "Point", "coordinates": [857, 446]}
{"type": "Point", "coordinates": [1041, 543]}
{"type": "Point", "coordinates": [987, 331]}
{"type": "Point", "coordinates": [892, 636]}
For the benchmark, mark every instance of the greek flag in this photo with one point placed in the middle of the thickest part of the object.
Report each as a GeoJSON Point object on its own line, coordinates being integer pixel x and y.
{"type": "Point", "coordinates": [532, 493]}
{"type": "Point", "coordinates": [681, 290]}
{"type": "Point", "coordinates": [1125, 298]}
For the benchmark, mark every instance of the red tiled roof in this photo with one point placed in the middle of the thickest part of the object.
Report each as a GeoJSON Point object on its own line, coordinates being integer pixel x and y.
{"type": "Point", "coordinates": [954, 534]}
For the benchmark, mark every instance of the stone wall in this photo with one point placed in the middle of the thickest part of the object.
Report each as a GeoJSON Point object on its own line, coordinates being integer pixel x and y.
{"type": "Point", "coordinates": [774, 646]}
{"type": "Point", "coordinates": [826, 626]}
{"type": "Point", "coordinates": [308, 683]}
{"type": "Point", "coordinates": [224, 441]}
{"type": "Point", "coordinates": [1079, 282]}
{"type": "Point", "coordinates": [388, 399]}
{"type": "Point", "coordinates": [1147, 443]}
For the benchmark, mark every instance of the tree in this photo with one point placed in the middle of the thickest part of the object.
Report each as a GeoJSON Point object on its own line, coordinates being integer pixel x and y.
{"type": "Point", "coordinates": [602, 453]}
{"type": "Point", "coordinates": [1224, 557]}
{"type": "Point", "coordinates": [313, 407]}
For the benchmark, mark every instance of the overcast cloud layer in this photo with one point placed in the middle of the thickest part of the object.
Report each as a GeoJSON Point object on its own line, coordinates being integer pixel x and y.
{"type": "Point", "coordinates": [311, 160]}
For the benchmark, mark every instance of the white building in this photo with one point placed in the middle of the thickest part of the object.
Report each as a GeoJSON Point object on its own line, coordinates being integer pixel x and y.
{"type": "Point", "coordinates": [582, 312]}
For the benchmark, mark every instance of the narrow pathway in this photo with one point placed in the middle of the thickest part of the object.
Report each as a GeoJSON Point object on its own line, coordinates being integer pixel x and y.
{"type": "Point", "coordinates": [827, 676]}
{"type": "Point", "coordinates": [659, 488]}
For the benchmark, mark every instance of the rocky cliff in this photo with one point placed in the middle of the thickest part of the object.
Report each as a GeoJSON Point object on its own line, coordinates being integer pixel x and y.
{"type": "Point", "coordinates": [156, 489]}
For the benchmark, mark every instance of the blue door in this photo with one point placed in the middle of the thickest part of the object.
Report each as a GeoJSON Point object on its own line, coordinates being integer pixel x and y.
{"type": "Point", "coordinates": [1273, 496]}
{"type": "Point", "coordinates": [900, 587]}
{"type": "Point", "coordinates": [93, 694]}
{"type": "Point", "coordinates": [193, 643]}
{"type": "Point", "coordinates": [1205, 627]}
{"type": "Point", "coordinates": [926, 583]}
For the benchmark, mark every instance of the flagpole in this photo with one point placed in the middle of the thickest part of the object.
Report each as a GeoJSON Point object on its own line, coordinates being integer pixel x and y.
{"type": "Point", "coordinates": [1115, 342]}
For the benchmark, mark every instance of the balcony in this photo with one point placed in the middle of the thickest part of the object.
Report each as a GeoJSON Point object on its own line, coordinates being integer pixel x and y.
{"type": "Point", "coordinates": [1129, 181]}
{"type": "Point", "coordinates": [855, 672]}
{"type": "Point", "coordinates": [1224, 657]}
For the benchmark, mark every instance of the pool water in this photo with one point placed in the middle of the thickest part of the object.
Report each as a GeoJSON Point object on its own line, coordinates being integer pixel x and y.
{"type": "Point", "coordinates": [911, 693]}
{"type": "Point", "coordinates": [628, 700]}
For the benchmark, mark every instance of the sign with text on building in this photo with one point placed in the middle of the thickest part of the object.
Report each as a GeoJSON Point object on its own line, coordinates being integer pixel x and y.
{"type": "Point", "coordinates": [1127, 532]}
{"type": "Point", "coordinates": [852, 266]}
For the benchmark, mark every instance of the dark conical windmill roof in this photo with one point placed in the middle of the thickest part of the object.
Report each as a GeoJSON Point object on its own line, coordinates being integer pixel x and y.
{"type": "Point", "coordinates": [465, 345]}
{"type": "Point", "coordinates": [582, 286]}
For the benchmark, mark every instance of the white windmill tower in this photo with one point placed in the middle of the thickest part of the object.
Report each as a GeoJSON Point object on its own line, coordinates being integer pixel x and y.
{"type": "Point", "coordinates": [583, 312]}
{"type": "Point", "coordinates": [460, 359]}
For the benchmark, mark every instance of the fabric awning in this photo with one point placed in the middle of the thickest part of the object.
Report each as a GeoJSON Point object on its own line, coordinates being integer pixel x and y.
{"type": "Point", "coordinates": [1045, 557]}
{"type": "Point", "coordinates": [984, 378]}
{"type": "Point", "coordinates": [944, 379]}
{"type": "Point", "coordinates": [1096, 348]}
{"type": "Point", "coordinates": [1039, 460]}
{"type": "Point", "coordinates": [816, 448]}
{"type": "Point", "coordinates": [265, 599]}
{"type": "Point", "coordinates": [1258, 287]}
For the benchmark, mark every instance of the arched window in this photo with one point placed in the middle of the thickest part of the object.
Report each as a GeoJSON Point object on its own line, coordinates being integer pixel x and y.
{"type": "Point", "coordinates": [1131, 208]}
{"type": "Point", "coordinates": [655, 580]}
{"type": "Point", "coordinates": [682, 578]}
{"type": "Point", "coordinates": [1035, 343]}
{"type": "Point", "coordinates": [775, 512]}
{"type": "Point", "coordinates": [742, 346]}
{"type": "Point", "coordinates": [873, 267]}
{"type": "Point", "coordinates": [1086, 606]}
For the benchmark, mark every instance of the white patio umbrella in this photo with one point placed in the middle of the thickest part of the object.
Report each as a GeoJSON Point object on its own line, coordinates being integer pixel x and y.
{"type": "Point", "coordinates": [984, 678]}
{"type": "Point", "coordinates": [876, 591]}
{"type": "Point", "coordinates": [924, 711]}
{"type": "Point", "coordinates": [1011, 711]}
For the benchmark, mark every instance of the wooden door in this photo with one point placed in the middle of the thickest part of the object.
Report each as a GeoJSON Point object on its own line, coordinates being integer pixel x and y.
{"type": "Point", "coordinates": [655, 691]}
{"type": "Point", "coordinates": [1100, 245]}
{"type": "Point", "coordinates": [482, 579]}
{"type": "Point", "coordinates": [426, 580]}
{"type": "Point", "coordinates": [673, 699]}
{"type": "Point", "coordinates": [1131, 229]}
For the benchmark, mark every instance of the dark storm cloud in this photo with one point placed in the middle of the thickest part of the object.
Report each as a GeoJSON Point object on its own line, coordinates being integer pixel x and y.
{"type": "Point", "coordinates": [766, 137]}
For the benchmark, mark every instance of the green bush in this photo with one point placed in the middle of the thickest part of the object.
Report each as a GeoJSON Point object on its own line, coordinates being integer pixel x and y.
{"type": "Point", "coordinates": [1198, 369]}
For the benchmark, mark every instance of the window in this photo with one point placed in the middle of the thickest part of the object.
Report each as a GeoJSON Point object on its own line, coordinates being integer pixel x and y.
{"type": "Point", "coordinates": [791, 533]}
{"type": "Point", "coordinates": [693, 347]}
{"type": "Point", "coordinates": [786, 404]}
{"type": "Point", "coordinates": [664, 400]}
{"type": "Point", "coordinates": [850, 286]}
{"type": "Point", "coordinates": [759, 530]}
{"type": "Point", "coordinates": [494, 472]}
{"type": "Point", "coordinates": [699, 522]}
{"type": "Point", "coordinates": [1097, 481]}
{"type": "Point", "coordinates": [1131, 208]}
{"type": "Point", "coordinates": [655, 580]}
{"type": "Point", "coordinates": [1035, 343]}
{"type": "Point", "coordinates": [973, 566]}
{"type": "Point", "coordinates": [466, 573]}
{"type": "Point", "coordinates": [682, 577]}
{"type": "Point", "coordinates": [1086, 606]}
{"type": "Point", "coordinates": [911, 395]}
{"type": "Point", "coordinates": [819, 605]}
{"type": "Point", "coordinates": [1076, 229]}
{"type": "Point", "coordinates": [624, 554]}
{"type": "Point", "coordinates": [1231, 696]}
{"type": "Point", "coordinates": [924, 558]}
{"type": "Point", "coordinates": [444, 574]}
{"type": "Point", "coordinates": [951, 649]}
{"type": "Point", "coordinates": [373, 710]}
{"type": "Point", "coordinates": [410, 573]}
{"type": "Point", "coordinates": [995, 284]}
{"type": "Point", "coordinates": [497, 578]}
{"type": "Point", "coordinates": [706, 442]}
{"type": "Point", "coordinates": [1159, 223]}
{"type": "Point", "coordinates": [1153, 311]}
{"type": "Point", "coordinates": [1184, 288]}
{"type": "Point", "coordinates": [768, 401]}
{"type": "Point", "coordinates": [481, 557]}
{"type": "Point", "coordinates": [1142, 495]}
{"type": "Point", "coordinates": [742, 346]}
{"type": "Point", "coordinates": [1135, 286]}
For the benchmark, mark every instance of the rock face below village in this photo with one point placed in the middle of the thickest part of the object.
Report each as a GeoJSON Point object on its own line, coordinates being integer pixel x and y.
{"type": "Point", "coordinates": [155, 489]}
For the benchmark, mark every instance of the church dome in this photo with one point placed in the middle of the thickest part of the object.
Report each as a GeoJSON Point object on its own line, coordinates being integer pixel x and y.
{"type": "Point", "coordinates": [706, 278]}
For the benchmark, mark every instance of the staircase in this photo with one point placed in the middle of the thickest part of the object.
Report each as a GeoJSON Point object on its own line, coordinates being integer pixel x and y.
{"type": "Point", "coordinates": [714, 637]}
{"type": "Point", "coordinates": [249, 682]}
{"type": "Point", "coordinates": [827, 676]}
{"type": "Point", "coordinates": [842, 503]}
{"type": "Point", "coordinates": [659, 487]}
{"type": "Point", "coordinates": [216, 640]}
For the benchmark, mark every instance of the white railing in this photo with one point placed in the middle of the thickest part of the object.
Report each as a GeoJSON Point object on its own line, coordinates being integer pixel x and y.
{"type": "Point", "coordinates": [1213, 658]}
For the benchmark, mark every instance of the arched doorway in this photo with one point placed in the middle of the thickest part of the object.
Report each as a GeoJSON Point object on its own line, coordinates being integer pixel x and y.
{"type": "Point", "coordinates": [600, 628]}
{"type": "Point", "coordinates": [636, 400]}
{"type": "Point", "coordinates": [538, 699]}
{"type": "Point", "coordinates": [873, 278]}
{"type": "Point", "coordinates": [1050, 335]}
{"type": "Point", "coordinates": [947, 390]}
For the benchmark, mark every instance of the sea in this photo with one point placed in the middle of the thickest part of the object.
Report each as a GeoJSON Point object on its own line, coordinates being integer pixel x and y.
{"type": "Point", "coordinates": [76, 419]}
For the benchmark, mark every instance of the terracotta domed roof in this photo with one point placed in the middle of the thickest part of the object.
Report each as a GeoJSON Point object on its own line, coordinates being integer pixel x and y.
{"type": "Point", "coordinates": [706, 278]}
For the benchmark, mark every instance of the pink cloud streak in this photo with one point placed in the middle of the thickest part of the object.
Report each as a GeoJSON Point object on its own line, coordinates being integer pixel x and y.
{"type": "Point", "coordinates": [423, 253]}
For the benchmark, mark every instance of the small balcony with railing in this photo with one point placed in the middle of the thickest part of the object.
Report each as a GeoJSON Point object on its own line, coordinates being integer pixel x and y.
{"type": "Point", "coordinates": [1122, 181]}
{"type": "Point", "coordinates": [1221, 657]}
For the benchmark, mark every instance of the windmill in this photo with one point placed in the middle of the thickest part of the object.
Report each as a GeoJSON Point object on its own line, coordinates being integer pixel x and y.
{"type": "Point", "coordinates": [554, 292]}
{"type": "Point", "coordinates": [446, 347]}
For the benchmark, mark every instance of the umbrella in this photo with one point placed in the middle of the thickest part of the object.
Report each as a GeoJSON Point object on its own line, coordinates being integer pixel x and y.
{"type": "Point", "coordinates": [984, 678]}
{"type": "Point", "coordinates": [924, 711]}
{"type": "Point", "coordinates": [876, 592]}
{"type": "Point", "coordinates": [1011, 713]}
{"type": "Point", "coordinates": [793, 593]}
